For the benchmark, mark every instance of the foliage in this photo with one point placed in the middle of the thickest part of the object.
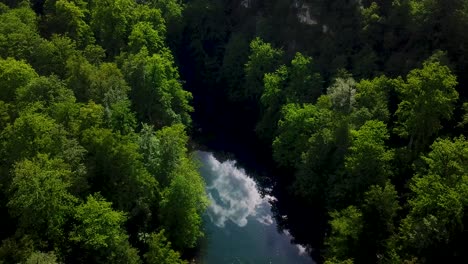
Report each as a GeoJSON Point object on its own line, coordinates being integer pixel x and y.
{"type": "Point", "coordinates": [99, 229]}
{"type": "Point", "coordinates": [439, 191]}
{"type": "Point", "coordinates": [110, 22]}
{"type": "Point", "coordinates": [40, 199]}
{"type": "Point", "coordinates": [157, 93]}
{"type": "Point", "coordinates": [18, 33]}
{"type": "Point", "coordinates": [342, 94]}
{"type": "Point", "coordinates": [78, 180]}
{"type": "Point", "coordinates": [99, 225]}
{"type": "Point", "coordinates": [296, 129]}
{"type": "Point", "coordinates": [14, 74]}
{"type": "Point", "coordinates": [81, 177]}
{"type": "Point", "coordinates": [186, 189]}
{"type": "Point", "coordinates": [346, 226]}
{"type": "Point", "coordinates": [427, 97]}
{"type": "Point", "coordinates": [367, 160]}
{"type": "Point", "coordinates": [372, 98]}
{"type": "Point", "coordinates": [160, 251]}
{"type": "Point", "coordinates": [42, 258]}
{"type": "Point", "coordinates": [263, 59]}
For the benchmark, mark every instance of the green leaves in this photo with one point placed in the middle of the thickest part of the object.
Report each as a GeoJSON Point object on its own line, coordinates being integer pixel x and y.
{"type": "Point", "coordinates": [296, 129]}
{"type": "Point", "coordinates": [305, 83]}
{"type": "Point", "coordinates": [372, 99]}
{"type": "Point", "coordinates": [144, 35]}
{"type": "Point", "coordinates": [160, 251]}
{"type": "Point", "coordinates": [48, 90]}
{"type": "Point", "coordinates": [14, 74]}
{"type": "Point", "coordinates": [346, 227]}
{"type": "Point", "coordinates": [69, 18]}
{"type": "Point", "coordinates": [99, 226]}
{"type": "Point", "coordinates": [99, 229]}
{"type": "Point", "coordinates": [18, 33]}
{"type": "Point", "coordinates": [368, 159]}
{"type": "Point", "coordinates": [297, 83]}
{"type": "Point", "coordinates": [428, 97]}
{"type": "Point", "coordinates": [68, 134]}
{"type": "Point", "coordinates": [157, 93]}
{"type": "Point", "coordinates": [118, 170]}
{"type": "Point", "coordinates": [40, 197]}
{"type": "Point", "coordinates": [110, 22]}
{"type": "Point", "coordinates": [42, 258]}
{"type": "Point", "coordinates": [439, 199]}
{"type": "Point", "coordinates": [263, 59]}
{"type": "Point", "coordinates": [33, 133]}
{"type": "Point", "coordinates": [187, 191]}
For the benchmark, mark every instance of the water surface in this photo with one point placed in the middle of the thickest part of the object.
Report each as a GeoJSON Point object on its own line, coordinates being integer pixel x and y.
{"type": "Point", "coordinates": [239, 224]}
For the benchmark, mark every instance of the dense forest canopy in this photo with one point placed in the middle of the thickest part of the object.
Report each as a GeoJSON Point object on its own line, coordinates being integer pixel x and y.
{"type": "Point", "coordinates": [363, 106]}
{"type": "Point", "coordinates": [94, 160]}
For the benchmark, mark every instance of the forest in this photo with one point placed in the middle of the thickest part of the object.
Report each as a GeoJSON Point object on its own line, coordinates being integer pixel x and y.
{"type": "Point", "coordinates": [361, 106]}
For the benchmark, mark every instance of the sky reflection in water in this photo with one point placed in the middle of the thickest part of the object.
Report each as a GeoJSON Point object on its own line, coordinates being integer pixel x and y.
{"type": "Point", "coordinates": [240, 227]}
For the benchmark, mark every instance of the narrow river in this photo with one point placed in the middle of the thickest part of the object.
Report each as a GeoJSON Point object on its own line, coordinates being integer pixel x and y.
{"type": "Point", "coordinates": [239, 224]}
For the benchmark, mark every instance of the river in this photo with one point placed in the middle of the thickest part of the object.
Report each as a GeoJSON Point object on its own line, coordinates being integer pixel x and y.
{"type": "Point", "coordinates": [239, 223]}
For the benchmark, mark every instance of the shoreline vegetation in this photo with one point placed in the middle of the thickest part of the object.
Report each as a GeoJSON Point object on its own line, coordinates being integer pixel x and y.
{"type": "Point", "coordinates": [361, 107]}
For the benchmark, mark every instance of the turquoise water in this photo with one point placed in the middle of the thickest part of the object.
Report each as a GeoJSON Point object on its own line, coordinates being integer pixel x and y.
{"type": "Point", "coordinates": [239, 224]}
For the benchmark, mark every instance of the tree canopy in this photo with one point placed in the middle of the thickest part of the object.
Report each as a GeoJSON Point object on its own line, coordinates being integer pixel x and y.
{"type": "Point", "coordinates": [94, 149]}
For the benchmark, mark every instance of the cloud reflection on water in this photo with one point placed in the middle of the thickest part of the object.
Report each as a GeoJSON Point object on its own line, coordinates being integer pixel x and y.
{"type": "Point", "coordinates": [233, 194]}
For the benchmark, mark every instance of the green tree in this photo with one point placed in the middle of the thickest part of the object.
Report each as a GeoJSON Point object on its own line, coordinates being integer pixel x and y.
{"type": "Point", "coordinates": [295, 129]}
{"type": "Point", "coordinates": [48, 90]}
{"type": "Point", "coordinates": [171, 9]}
{"type": "Point", "coordinates": [40, 198]}
{"type": "Point", "coordinates": [32, 133]}
{"type": "Point", "coordinates": [372, 99]}
{"type": "Point", "coordinates": [163, 150]}
{"type": "Point", "coordinates": [16, 249]}
{"type": "Point", "coordinates": [51, 56]}
{"type": "Point", "coordinates": [79, 76]}
{"type": "Point", "coordinates": [14, 74]}
{"type": "Point", "coordinates": [107, 85]}
{"type": "Point", "coordinates": [272, 100]}
{"type": "Point", "coordinates": [380, 211]}
{"type": "Point", "coordinates": [120, 118]}
{"type": "Point", "coordinates": [186, 190]}
{"type": "Point", "coordinates": [367, 161]}
{"type": "Point", "coordinates": [295, 84]}
{"type": "Point", "coordinates": [68, 17]}
{"type": "Point", "coordinates": [263, 58]}
{"type": "Point", "coordinates": [110, 22]}
{"type": "Point", "coordinates": [150, 148]}
{"type": "Point", "coordinates": [160, 251]}
{"type": "Point", "coordinates": [148, 30]}
{"type": "Point", "coordinates": [305, 83]}
{"type": "Point", "coordinates": [90, 115]}
{"type": "Point", "coordinates": [157, 93]}
{"type": "Point", "coordinates": [309, 141]}
{"type": "Point", "coordinates": [18, 33]}
{"type": "Point", "coordinates": [42, 258]}
{"type": "Point", "coordinates": [99, 229]}
{"type": "Point", "coordinates": [438, 201]}
{"type": "Point", "coordinates": [4, 114]}
{"type": "Point", "coordinates": [117, 170]}
{"type": "Point", "coordinates": [104, 84]}
{"type": "Point", "coordinates": [346, 227]}
{"type": "Point", "coordinates": [427, 97]}
{"type": "Point", "coordinates": [144, 35]}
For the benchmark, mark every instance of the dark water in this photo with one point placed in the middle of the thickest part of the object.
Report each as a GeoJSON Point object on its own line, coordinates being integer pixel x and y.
{"type": "Point", "coordinates": [239, 224]}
